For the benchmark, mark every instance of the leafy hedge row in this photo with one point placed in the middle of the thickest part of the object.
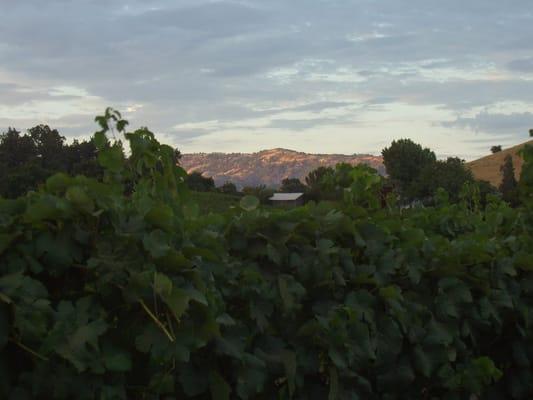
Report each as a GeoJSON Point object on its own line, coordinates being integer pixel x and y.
{"type": "Point", "coordinates": [121, 289]}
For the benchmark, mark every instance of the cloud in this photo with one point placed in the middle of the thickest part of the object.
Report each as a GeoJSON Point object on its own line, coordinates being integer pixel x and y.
{"type": "Point", "coordinates": [521, 65]}
{"type": "Point", "coordinates": [510, 124]}
{"type": "Point", "coordinates": [246, 62]}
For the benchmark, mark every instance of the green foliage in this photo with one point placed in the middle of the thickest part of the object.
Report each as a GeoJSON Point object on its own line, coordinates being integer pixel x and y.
{"type": "Point", "coordinates": [509, 187]}
{"type": "Point", "coordinates": [355, 185]}
{"type": "Point", "coordinates": [450, 175]}
{"type": "Point", "coordinates": [27, 160]}
{"type": "Point", "coordinates": [404, 160]}
{"type": "Point", "coordinates": [213, 201]}
{"type": "Point", "coordinates": [115, 289]}
{"type": "Point", "coordinates": [314, 182]}
{"type": "Point", "coordinates": [525, 186]}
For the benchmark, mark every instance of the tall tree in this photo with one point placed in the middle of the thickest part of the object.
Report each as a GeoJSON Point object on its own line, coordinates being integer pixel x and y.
{"type": "Point", "coordinates": [16, 150]}
{"type": "Point", "coordinates": [404, 160]}
{"type": "Point", "coordinates": [50, 145]}
{"type": "Point", "coordinates": [315, 182]}
{"type": "Point", "coordinates": [509, 185]}
{"type": "Point", "coordinates": [314, 178]}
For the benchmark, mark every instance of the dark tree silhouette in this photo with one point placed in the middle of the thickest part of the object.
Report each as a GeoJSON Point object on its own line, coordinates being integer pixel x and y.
{"type": "Point", "coordinates": [449, 175]}
{"type": "Point", "coordinates": [509, 185]}
{"type": "Point", "coordinates": [196, 181]}
{"type": "Point", "coordinates": [495, 149]}
{"type": "Point", "coordinates": [228, 188]}
{"type": "Point", "coordinates": [27, 160]}
{"type": "Point", "coordinates": [404, 160]}
{"type": "Point", "coordinates": [315, 182]}
{"type": "Point", "coordinates": [292, 185]}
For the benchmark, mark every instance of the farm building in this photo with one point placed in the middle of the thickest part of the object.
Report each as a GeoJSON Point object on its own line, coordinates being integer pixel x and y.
{"type": "Point", "coordinates": [287, 199]}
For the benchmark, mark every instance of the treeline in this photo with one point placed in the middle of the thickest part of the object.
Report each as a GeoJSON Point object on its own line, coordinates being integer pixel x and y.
{"type": "Point", "coordinates": [414, 175]}
{"type": "Point", "coordinates": [26, 160]}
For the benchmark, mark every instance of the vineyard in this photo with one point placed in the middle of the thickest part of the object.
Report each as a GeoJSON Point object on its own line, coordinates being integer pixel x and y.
{"type": "Point", "coordinates": [121, 288]}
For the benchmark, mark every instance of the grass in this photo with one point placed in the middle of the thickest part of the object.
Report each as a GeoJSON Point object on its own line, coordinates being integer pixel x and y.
{"type": "Point", "coordinates": [214, 202]}
{"type": "Point", "coordinates": [488, 168]}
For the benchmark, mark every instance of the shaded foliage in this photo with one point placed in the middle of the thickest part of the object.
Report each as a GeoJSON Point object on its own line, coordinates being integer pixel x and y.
{"type": "Point", "coordinates": [292, 185]}
{"type": "Point", "coordinates": [314, 181]}
{"type": "Point", "coordinates": [228, 188]}
{"type": "Point", "coordinates": [509, 186]}
{"type": "Point", "coordinates": [404, 160]}
{"type": "Point", "coordinates": [27, 160]}
{"type": "Point", "coordinates": [262, 192]}
{"type": "Point", "coordinates": [196, 181]}
{"type": "Point", "coordinates": [525, 185]}
{"type": "Point", "coordinates": [450, 175]}
{"type": "Point", "coordinates": [495, 149]}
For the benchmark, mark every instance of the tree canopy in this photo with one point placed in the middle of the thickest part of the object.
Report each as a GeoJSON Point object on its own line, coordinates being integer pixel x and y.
{"type": "Point", "coordinates": [404, 160]}
{"type": "Point", "coordinates": [292, 185]}
{"type": "Point", "coordinates": [450, 175]}
{"type": "Point", "coordinates": [509, 186]}
{"type": "Point", "coordinates": [28, 159]}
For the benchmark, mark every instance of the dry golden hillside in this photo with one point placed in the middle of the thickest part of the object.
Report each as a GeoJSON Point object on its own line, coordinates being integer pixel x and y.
{"type": "Point", "coordinates": [488, 168]}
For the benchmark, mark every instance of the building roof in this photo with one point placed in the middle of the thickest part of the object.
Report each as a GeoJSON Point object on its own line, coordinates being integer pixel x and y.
{"type": "Point", "coordinates": [286, 196]}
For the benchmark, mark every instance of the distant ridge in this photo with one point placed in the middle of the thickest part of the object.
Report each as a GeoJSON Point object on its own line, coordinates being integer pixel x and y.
{"type": "Point", "coordinates": [488, 168]}
{"type": "Point", "coordinates": [268, 167]}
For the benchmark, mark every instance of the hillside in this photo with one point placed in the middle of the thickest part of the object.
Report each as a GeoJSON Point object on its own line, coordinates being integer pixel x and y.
{"type": "Point", "coordinates": [488, 168]}
{"type": "Point", "coordinates": [267, 167]}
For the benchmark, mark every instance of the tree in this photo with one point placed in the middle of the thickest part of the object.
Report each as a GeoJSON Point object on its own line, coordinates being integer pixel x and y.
{"type": "Point", "coordinates": [509, 186]}
{"type": "Point", "coordinates": [196, 181]}
{"type": "Point", "coordinates": [177, 156]}
{"type": "Point", "coordinates": [20, 164]}
{"type": "Point", "coordinates": [404, 160]}
{"type": "Point", "coordinates": [495, 149]}
{"type": "Point", "coordinates": [50, 145]}
{"type": "Point", "coordinates": [228, 188]}
{"type": "Point", "coordinates": [292, 185]}
{"type": "Point", "coordinates": [450, 175]}
{"type": "Point", "coordinates": [314, 178]}
{"type": "Point", "coordinates": [16, 150]}
{"type": "Point", "coordinates": [81, 159]}
{"type": "Point", "coordinates": [315, 182]}
{"type": "Point", "coordinates": [531, 132]}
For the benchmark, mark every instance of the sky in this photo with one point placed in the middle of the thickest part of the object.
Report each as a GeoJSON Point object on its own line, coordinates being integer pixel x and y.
{"type": "Point", "coordinates": [321, 76]}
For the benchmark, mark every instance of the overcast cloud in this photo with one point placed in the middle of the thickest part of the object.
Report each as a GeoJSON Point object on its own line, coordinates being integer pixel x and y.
{"type": "Point", "coordinates": [315, 75]}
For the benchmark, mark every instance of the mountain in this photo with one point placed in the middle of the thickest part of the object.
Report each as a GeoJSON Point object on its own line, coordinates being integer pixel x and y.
{"type": "Point", "coordinates": [488, 168]}
{"type": "Point", "coordinates": [268, 167]}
